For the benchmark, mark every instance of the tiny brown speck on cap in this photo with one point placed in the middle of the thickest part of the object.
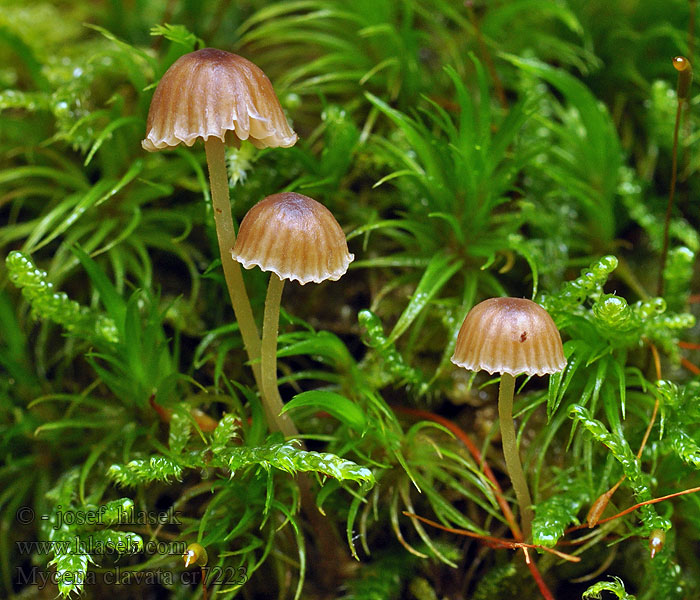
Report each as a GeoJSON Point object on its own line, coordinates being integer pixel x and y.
{"type": "Point", "coordinates": [493, 338]}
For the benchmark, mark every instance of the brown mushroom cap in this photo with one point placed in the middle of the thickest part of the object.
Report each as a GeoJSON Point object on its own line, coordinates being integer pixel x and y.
{"type": "Point", "coordinates": [209, 92]}
{"type": "Point", "coordinates": [293, 236]}
{"type": "Point", "coordinates": [509, 335]}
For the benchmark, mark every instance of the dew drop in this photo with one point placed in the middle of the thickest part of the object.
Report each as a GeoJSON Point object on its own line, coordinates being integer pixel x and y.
{"type": "Point", "coordinates": [681, 63]}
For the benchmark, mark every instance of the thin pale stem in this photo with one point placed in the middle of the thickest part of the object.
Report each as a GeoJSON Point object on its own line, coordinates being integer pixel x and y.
{"type": "Point", "coordinates": [263, 355]}
{"type": "Point", "coordinates": [506, 392]}
{"type": "Point", "coordinates": [330, 557]}
{"type": "Point", "coordinates": [226, 234]}
{"type": "Point", "coordinates": [268, 361]}
{"type": "Point", "coordinates": [685, 79]}
{"type": "Point", "coordinates": [669, 204]}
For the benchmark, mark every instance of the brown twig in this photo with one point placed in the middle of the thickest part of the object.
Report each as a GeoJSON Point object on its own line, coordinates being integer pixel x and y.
{"type": "Point", "coordinates": [463, 437]}
{"type": "Point", "coordinates": [652, 501]}
{"type": "Point", "coordinates": [494, 542]}
{"type": "Point", "coordinates": [486, 55]}
{"type": "Point", "coordinates": [633, 508]}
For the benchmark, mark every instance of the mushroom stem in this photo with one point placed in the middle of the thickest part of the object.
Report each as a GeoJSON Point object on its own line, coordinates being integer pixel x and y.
{"type": "Point", "coordinates": [268, 361]}
{"type": "Point", "coordinates": [226, 234]}
{"type": "Point", "coordinates": [506, 391]}
{"type": "Point", "coordinates": [330, 556]}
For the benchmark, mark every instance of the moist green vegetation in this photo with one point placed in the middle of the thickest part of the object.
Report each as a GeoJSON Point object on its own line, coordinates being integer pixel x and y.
{"type": "Point", "coordinates": [469, 150]}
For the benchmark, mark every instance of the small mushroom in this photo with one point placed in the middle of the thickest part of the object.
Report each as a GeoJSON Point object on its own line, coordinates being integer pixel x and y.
{"type": "Point", "coordinates": [207, 93]}
{"type": "Point", "coordinates": [219, 97]}
{"type": "Point", "coordinates": [510, 336]}
{"type": "Point", "coordinates": [295, 238]}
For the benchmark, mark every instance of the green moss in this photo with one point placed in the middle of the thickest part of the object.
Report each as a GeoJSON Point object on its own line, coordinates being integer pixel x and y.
{"type": "Point", "coordinates": [472, 150]}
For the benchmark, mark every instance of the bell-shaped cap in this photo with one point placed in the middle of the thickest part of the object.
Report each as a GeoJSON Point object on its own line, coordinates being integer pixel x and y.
{"type": "Point", "coordinates": [293, 236]}
{"type": "Point", "coordinates": [209, 92]}
{"type": "Point", "coordinates": [509, 335]}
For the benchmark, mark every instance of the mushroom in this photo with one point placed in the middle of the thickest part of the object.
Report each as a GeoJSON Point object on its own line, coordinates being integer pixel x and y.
{"type": "Point", "coordinates": [295, 238]}
{"type": "Point", "coordinates": [206, 94]}
{"type": "Point", "coordinates": [510, 336]}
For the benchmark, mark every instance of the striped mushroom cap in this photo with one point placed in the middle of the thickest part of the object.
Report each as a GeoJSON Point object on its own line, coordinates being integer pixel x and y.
{"type": "Point", "coordinates": [509, 335]}
{"type": "Point", "coordinates": [209, 92]}
{"type": "Point", "coordinates": [295, 237]}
